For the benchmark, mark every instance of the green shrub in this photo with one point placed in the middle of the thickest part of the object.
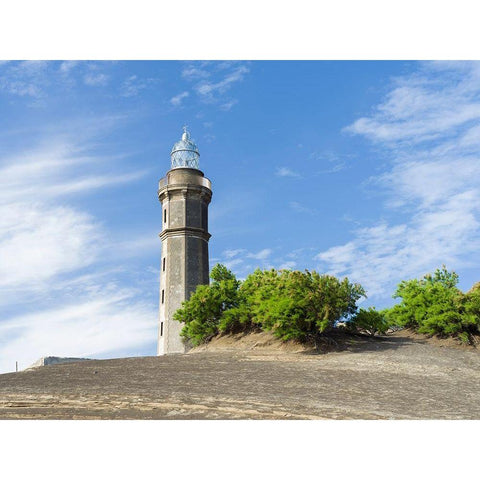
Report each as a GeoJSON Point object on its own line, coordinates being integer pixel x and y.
{"type": "Point", "coordinates": [370, 321]}
{"type": "Point", "coordinates": [303, 305]}
{"type": "Point", "coordinates": [306, 304]}
{"type": "Point", "coordinates": [203, 312]}
{"type": "Point", "coordinates": [237, 319]}
{"type": "Point", "coordinates": [292, 304]}
{"type": "Point", "coordinates": [435, 306]}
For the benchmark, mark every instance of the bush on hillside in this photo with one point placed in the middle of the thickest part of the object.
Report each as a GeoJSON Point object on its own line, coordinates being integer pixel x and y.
{"type": "Point", "coordinates": [299, 305]}
{"type": "Point", "coordinates": [369, 321]}
{"type": "Point", "coordinates": [291, 304]}
{"type": "Point", "coordinates": [203, 311]}
{"type": "Point", "coordinates": [435, 306]}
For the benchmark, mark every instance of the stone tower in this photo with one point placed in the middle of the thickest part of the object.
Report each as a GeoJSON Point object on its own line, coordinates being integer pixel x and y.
{"type": "Point", "coordinates": [185, 194]}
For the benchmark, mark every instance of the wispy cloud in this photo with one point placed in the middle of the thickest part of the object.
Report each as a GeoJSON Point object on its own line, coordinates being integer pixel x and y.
{"type": "Point", "coordinates": [53, 256]}
{"type": "Point", "coordinates": [24, 79]}
{"type": "Point", "coordinates": [261, 255]}
{"type": "Point", "coordinates": [132, 86]}
{"type": "Point", "coordinates": [244, 262]}
{"type": "Point", "coordinates": [209, 137]}
{"type": "Point", "coordinates": [382, 255]}
{"type": "Point", "coordinates": [209, 89]}
{"type": "Point", "coordinates": [66, 238]}
{"type": "Point", "coordinates": [37, 81]}
{"type": "Point", "coordinates": [433, 185]}
{"type": "Point", "coordinates": [228, 105]}
{"type": "Point", "coordinates": [289, 265]}
{"type": "Point", "coordinates": [234, 252]}
{"type": "Point", "coordinates": [67, 66]}
{"type": "Point", "coordinates": [96, 79]}
{"type": "Point", "coordinates": [329, 162]}
{"type": "Point", "coordinates": [338, 167]}
{"type": "Point", "coordinates": [300, 208]}
{"type": "Point", "coordinates": [286, 172]}
{"type": "Point", "coordinates": [93, 326]}
{"type": "Point", "coordinates": [427, 105]}
{"type": "Point", "coordinates": [46, 172]}
{"type": "Point", "coordinates": [234, 262]}
{"type": "Point", "coordinates": [178, 99]}
{"type": "Point", "coordinates": [213, 81]}
{"type": "Point", "coordinates": [195, 72]}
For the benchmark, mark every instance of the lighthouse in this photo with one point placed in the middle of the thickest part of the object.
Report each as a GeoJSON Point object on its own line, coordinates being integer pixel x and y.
{"type": "Point", "coordinates": [185, 194]}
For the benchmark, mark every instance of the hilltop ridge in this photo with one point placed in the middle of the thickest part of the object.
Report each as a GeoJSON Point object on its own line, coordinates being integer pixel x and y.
{"type": "Point", "coordinates": [393, 377]}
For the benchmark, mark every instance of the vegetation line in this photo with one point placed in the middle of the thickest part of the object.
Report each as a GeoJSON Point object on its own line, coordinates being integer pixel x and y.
{"type": "Point", "coordinates": [306, 306]}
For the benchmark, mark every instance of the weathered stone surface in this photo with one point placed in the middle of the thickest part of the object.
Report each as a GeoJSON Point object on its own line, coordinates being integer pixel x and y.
{"type": "Point", "coordinates": [387, 378]}
{"type": "Point", "coordinates": [185, 194]}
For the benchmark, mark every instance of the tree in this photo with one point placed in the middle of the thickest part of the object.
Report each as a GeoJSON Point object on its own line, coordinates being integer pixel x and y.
{"type": "Point", "coordinates": [435, 306]}
{"type": "Point", "coordinates": [307, 304]}
{"type": "Point", "coordinates": [202, 313]}
{"type": "Point", "coordinates": [292, 304]}
{"type": "Point", "coordinates": [370, 321]}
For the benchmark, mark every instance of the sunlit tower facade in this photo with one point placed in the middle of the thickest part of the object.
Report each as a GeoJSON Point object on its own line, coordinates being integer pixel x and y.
{"type": "Point", "coordinates": [185, 194]}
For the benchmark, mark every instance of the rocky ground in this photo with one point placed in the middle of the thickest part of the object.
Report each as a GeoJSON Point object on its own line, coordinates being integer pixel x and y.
{"type": "Point", "coordinates": [393, 377]}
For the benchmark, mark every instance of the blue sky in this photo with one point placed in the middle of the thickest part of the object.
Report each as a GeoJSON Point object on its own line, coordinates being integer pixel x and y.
{"type": "Point", "coordinates": [361, 169]}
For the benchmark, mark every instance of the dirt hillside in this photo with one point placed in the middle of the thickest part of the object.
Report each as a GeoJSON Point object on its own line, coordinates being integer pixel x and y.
{"type": "Point", "coordinates": [394, 377]}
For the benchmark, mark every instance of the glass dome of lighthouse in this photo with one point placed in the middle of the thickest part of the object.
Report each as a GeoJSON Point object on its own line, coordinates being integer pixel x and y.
{"type": "Point", "coordinates": [185, 153]}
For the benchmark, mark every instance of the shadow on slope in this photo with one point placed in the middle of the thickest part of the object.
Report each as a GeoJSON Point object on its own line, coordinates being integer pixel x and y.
{"type": "Point", "coordinates": [334, 342]}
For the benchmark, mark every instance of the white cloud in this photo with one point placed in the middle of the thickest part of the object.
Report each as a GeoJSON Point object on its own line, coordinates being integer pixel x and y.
{"type": "Point", "coordinates": [427, 182]}
{"type": "Point", "coordinates": [213, 80]}
{"type": "Point", "coordinates": [228, 105]}
{"type": "Point", "coordinates": [177, 100]}
{"type": "Point", "coordinates": [54, 257]}
{"type": "Point", "coordinates": [236, 259]}
{"type": "Point", "coordinates": [92, 327]}
{"type": "Point", "coordinates": [286, 172]}
{"type": "Point", "coordinates": [381, 256]}
{"type": "Point", "coordinates": [240, 260]}
{"type": "Point", "coordinates": [424, 106]}
{"type": "Point", "coordinates": [95, 79]}
{"type": "Point", "coordinates": [233, 253]}
{"type": "Point", "coordinates": [132, 86]}
{"type": "Point", "coordinates": [191, 73]}
{"type": "Point", "coordinates": [338, 167]}
{"type": "Point", "coordinates": [38, 242]}
{"type": "Point", "coordinates": [209, 137]}
{"type": "Point", "coordinates": [261, 255]}
{"type": "Point", "coordinates": [232, 263]}
{"type": "Point", "coordinates": [298, 252]}
{"type": "Point", "coordinates": [39, 238]}
{"type": "Point", "coordinates": [46, 172]}
{"type": "Point", "coordinates": [428, 124]}
{"type": "Point", "coordinates": [25, 78]}
{"type": "Point", "coordinates": [329, 161]}
{"type": "Point", "coordinates": [67, 66]}
{"type": "Point", "coordinates": [36, 81]}
{"type": "Point", "coordinates": [471, 138]}
{"type": "Point", "coordinates": [210, 88]}
{"type": "Point", "coordinates": [289, 265]}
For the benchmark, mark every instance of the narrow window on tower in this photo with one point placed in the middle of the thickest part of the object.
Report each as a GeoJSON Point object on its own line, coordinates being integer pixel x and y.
{"type": "Point", "coordinates": [163, 296]}
{"type": "Point", "coordinates": [161, 329]}
{"type": "Point", "coordinates": [165, 216]}
{"type": "Point", "coordinates": [163, 266]}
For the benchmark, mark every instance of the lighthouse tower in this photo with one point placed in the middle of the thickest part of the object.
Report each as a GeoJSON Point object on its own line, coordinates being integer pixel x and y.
{"type": "Point", "coordinates": [184, 194]}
